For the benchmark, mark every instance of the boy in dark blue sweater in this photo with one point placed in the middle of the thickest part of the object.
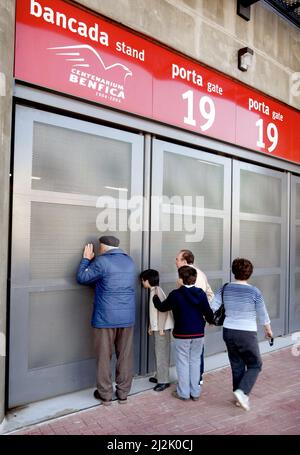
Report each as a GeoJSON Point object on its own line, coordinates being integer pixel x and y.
{"type": "Point", "coordinates": [189, 306]}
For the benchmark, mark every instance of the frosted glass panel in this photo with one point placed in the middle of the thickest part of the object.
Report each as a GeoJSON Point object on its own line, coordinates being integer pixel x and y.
{"type": "Point", "coordinates": [185, 176]}
{"type": "Point", "coordinates": [260, 243]}
{"type": "Point", "coordinates": [270, 288]}
{"type": "Point", "coordinates": [70, 161]}
{"type": "Point", "coordinates": [297, 258]}
{"type": "Point", "coordinates": [260, 194]}
{"type": "Point", "coordinates": [298, 201]}
{"type": "Point", "coordinates": [58, 235]}
{"type": "Point", "coordinates": [208, 253]}
{"type": "Point", "coordinates": [59, 327]}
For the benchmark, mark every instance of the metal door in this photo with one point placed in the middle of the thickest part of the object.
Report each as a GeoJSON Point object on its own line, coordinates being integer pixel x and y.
{"type": "Point", "coordinates": [294, 314]}
{"type": "Point", "coordinates": [180, 172]}
{"type": "Point", "coordinates": [259, 233]}
{"type": "Point", "coordinates": [61, 167]}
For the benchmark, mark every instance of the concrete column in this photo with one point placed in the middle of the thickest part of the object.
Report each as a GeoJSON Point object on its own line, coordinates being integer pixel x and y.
{"type": "Point", "coordinates": [7, 19]}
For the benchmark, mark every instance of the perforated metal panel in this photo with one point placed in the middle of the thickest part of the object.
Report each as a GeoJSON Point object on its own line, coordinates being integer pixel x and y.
{"type": "Point", "coordinates": [69, 161]}
{"type": "Point", "coordinates": [260, 243]}
{"type": "Point", "coordinates": [62, 167]}
{"type": "Point", "coordinates": [294, 319]}
{"type": "Point", "coordinates": [297, 299]}
{"type": "Point", "coordinates": [208, 253]}
{"type": "Point", "coordinates": [182, 171]}
{"type": "Point", "coordinates": [297, 255]}
{"type": "Point", "coordinates": [269, 285]}
{"type": "Point", "coordinates": [296, 197]}
{"type": "Point", "coordinates": [59, 327]}
{"type": "Point", "coordinates": [56, 232]}
{"type": "Point", "coordinates": [260, 194]}
{"type": "Point", "coordinates": [191, 176]}
{"type": "Point", "coordinates": [259, 233]}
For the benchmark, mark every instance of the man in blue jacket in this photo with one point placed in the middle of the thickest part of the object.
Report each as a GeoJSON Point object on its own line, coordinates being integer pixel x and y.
{"type": "Point", "coordinates": [113, 274]}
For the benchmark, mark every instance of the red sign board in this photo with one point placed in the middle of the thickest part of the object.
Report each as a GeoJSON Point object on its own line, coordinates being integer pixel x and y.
{"type": "Point", "coordinates": [67, 49]}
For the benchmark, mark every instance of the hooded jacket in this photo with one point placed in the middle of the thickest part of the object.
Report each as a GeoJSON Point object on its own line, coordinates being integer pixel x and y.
{"type": "Point", "coordinates": [159, 322]}
{"type": "Point", "coordinates": [114, 276]}
{"type": "Point", "coordinates": [189, 306]}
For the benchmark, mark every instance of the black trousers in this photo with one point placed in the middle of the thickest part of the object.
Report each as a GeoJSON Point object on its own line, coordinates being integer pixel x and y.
{"type": "Point", "coordinates": [244, 357]}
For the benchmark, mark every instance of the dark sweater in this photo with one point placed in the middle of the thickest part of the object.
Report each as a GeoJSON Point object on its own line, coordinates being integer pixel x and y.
{"type": "Point", "coordinates": [189, 307]}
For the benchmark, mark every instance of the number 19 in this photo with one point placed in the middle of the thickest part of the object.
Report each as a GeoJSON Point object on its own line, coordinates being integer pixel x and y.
{"type": "Point", "coordinates": [206, 107]}
{"type": "Point", "coordinates": [272, 134]}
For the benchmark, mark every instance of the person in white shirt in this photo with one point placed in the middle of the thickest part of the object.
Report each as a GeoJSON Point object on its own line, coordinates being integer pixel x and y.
{"type": "Point", "coordinates": [186, 257]}
{"type": "Point", "coordinates": [160, 324]}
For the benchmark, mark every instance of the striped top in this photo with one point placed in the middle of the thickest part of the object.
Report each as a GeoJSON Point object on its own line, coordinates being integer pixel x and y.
{"type": "Point", "coordinates": [243, 304]}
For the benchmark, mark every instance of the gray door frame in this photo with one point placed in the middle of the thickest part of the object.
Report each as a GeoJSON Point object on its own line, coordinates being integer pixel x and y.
{"type": "Point", "coordinates": [294, 313]}
{"type": "Point", "coordinates": [213, 336]}
{"type": "Point", "coordinates": [278, 324]}
{"type": "Point", "coordinates": [30, 385]}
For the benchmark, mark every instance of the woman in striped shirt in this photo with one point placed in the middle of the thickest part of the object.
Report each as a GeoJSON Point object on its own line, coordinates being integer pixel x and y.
{"type": "Point", "coordinates": [244, 304]}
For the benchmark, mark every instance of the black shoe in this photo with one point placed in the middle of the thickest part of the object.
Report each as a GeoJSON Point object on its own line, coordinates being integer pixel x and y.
{"type": "Point", "coordinates": [97, 396]}
{"type": "Point", "coordinates": [153, 380]}
{"type": "Point", "coordinates": [161, 387]}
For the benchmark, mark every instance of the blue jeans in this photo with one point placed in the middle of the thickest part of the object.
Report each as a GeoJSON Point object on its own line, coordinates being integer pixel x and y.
{"type": "Point", "coordinates": [188, 353]}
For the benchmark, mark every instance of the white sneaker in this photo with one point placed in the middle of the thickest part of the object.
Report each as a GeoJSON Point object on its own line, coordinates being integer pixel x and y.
{"type": "Point", "coordinates": [242, 399]}
{"type": "Point", "coordinates": [201, 382]}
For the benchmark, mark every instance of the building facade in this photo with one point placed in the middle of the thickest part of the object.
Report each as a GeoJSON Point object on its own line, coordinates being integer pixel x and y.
{"type": "Point", "coordinates": [134, 118]}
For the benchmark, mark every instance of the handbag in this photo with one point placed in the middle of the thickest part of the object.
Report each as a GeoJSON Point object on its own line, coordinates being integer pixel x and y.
{"type": "Point", "coordinates": [219, 315]}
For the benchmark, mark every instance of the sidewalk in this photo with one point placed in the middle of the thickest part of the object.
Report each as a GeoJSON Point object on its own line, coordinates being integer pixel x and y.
{"type": "Point", "coordinates": [275, 408]}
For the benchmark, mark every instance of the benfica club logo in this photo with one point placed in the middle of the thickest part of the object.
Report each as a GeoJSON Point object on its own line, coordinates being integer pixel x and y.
{"type": "Point", "coordinates": [88, 69]}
